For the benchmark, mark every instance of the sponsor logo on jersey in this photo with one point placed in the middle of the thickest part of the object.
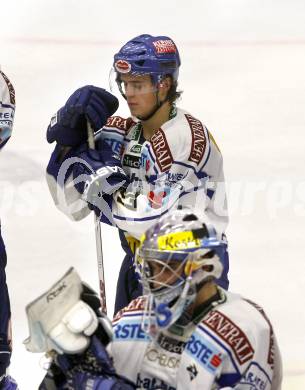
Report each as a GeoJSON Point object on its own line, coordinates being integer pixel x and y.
{"type": "Point", "coordinates": [255, 378]}
{"type": "Point", "coordinates": [192, 369]}
{"type": "Point", "coordinates": [174, 177]}
{"type": "Point", "coordinates": [10, 88]}
{"type": "Point", "coordinates": [135, 132]}
{"type": "Point", "coordinates": [117, 147]}
{"type": "Point", "coordinates": [129, 330]}
{"type": "Point", "coordinates": [6, 115]}
{"type": "Point", "coordinates": [198, 139]}
{"type": "Point", "coordinates": [122, 66]}
{"type": "Point", "coordinates": [54, 293]}
{"type": "Point", "coordinates": [170, 344]}
{"type": "Point", "coordinates": [119, 122]}
{"type": "Point", "coordinates": [132, 161]}
{"type": "Point", "coordinates": [165, 46]}
{"type": "Point", "coordinates": [128, 199]}
{"type": "Point", "coordinates": [155, 198]}
{"type": "Point", "coordinates": [152, 383]}
{"type": "Point", "coordinates": [161, 150]}
{"type": "Point", "coordinates": [161, 358]}
{"type": "Point", "coordinates": [135, 305]}
{"type": "Point", "coordinates": [136, 149]}
{"type": "Point", "coordinates": [205, 353]}
{"type": "Point", "coordinates": [270, 358]}
{"type": "Point", "coordinates": [231, 334]}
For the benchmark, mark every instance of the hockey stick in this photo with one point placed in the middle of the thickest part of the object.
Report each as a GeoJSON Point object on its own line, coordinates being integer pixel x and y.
{"type": "Point", "coordinates": [98, 237]}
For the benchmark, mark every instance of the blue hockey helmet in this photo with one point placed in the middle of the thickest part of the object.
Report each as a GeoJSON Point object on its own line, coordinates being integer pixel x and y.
{"type": "Point", "coordinates": [176, 257]}
{"type": "Point", "coordinates": [145, 54]}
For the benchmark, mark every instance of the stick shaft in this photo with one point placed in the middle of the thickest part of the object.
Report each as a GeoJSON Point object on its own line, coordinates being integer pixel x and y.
{"type": "Point", "coordinates": [98, 238]}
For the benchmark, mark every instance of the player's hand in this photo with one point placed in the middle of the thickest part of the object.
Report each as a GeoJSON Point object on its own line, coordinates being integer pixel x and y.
{"type": "Point", "coordinates": [68, 127]}
{"type": "Point", "coordinates": [8, 383]}
{"type": "Point", "coordinates": [98, 172]}
{"type": "Point", "coordinates": [5, 356]}
{"type": "Point", "coordinates": [99, 374]}
{"type": "Point", "coordinates": [60, 320]}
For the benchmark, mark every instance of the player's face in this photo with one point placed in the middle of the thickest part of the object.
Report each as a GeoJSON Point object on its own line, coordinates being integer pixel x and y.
{"type": "Point", "coordinates": [165, 273]}
{"type": "Point", "coordinates": [140, 93]}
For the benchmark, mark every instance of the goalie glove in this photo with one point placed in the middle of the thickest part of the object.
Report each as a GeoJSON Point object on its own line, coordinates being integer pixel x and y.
{"type": "Point", "coordinates": [60, 320]}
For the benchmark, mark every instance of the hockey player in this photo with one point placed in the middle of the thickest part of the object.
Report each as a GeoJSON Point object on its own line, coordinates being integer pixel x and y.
{"type": "Point", "coordinates": [184, 333]}
{"type": "Point", "coordinates": [169, 158]}
{"type": "Point", "coordinates": [7, 109]}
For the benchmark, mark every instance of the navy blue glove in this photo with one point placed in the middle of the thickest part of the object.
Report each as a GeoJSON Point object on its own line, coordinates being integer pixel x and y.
{"type": "Point", "coordinates": [99, 172]}
{"type": "Point", "coordinates": [5, 355]}
{"type": "Point", "coordinates": [93, 369]}
{"type": "Point", "coordinates": [8, 383]}
{"type": "Point", "coordinates": [68, 126]}
{"type": "Point", "coordinates": [82, 381]}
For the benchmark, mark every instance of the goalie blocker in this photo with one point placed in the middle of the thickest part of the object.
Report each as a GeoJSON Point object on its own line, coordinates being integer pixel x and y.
{"type": "Point", "coordinates": [66, 323]}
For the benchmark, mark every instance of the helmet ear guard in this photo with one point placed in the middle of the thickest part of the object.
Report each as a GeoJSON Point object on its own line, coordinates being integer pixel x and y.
{"type": "Point", "coordinates": [202, 267]}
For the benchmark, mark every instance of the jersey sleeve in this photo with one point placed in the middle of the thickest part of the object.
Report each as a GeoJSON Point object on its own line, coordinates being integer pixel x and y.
{"type": "Point", "coordinates": [61, 185]}
{"type": "Point", "coordinates": [7, 109]}
{"type": "Point", "coordinates": [60, 178]}
{"type": "Point", "coordinates": [254, 361]}
{"type": "Point", "coordinates": [181, 167]}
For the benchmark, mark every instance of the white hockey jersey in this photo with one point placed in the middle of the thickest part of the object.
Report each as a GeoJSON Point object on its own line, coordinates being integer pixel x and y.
{"type": "Point", "coordinates": [232, 347]}
{"type": "Point", "coordinates": [7, 108]}
{"type": "Point", "coordinates": [180, 164]}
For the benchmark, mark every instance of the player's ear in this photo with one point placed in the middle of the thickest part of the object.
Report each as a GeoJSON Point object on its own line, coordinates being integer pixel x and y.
{"type": "Point", "coordinates": [164, 86]}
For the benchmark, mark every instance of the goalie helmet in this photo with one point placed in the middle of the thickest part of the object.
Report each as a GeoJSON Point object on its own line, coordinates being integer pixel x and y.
{"type": "Point", "coordinates": [176, 257]}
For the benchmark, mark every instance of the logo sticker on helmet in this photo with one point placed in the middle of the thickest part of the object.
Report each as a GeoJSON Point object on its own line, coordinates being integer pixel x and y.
{"type": "Point", "coordinates": [165, 46]}
{"type": "Point", "coordinates": [180, 240]}
{"type": "Point", "coordinates": [122, 66]}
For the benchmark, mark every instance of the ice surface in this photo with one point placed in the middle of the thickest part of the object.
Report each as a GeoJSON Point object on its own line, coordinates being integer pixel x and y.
{"type": "Point", "coordinates": [242, 74]}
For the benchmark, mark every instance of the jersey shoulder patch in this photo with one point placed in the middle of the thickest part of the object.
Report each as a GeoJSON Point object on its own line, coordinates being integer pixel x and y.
{"type": "Point", "coordinates": [135, 305]}
{"type": "Point", "coordinates": [230, 333]}
{"type": "Point", "coordinates": [199, 139]}
{"type": "Point", "coordinates": [123, 125]}
{"type": "Point", "coordinates": [161, 149]}
{"type": "Point", "coordinates": [271, 351]}
{"type": "Point", "coordinates": [10, 88]}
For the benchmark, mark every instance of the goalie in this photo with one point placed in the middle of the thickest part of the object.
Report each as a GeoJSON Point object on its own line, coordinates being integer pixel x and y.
{"type": "Point", "coordinates": [185, 332]}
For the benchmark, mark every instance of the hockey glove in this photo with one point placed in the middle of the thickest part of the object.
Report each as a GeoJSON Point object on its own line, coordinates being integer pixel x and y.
{"type": "Point", "coordinates": [68, 127]}
{"type": "Point", "coordinates": [59, 320]}
{"type": "Point", "coordinates": [5, 355]}
{"type": "Point", "coordinates": [97, 173]}
{"type": "Point", "coordinates": [93, 369]}
{"type": "Point", "coordinates": [8, 383]}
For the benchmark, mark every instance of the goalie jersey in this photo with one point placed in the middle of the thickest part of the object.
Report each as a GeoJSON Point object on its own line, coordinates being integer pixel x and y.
{"type": "Point", "coordinates": [233, 346]}
{"type": "Point", "coordinates": [180, 164]}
